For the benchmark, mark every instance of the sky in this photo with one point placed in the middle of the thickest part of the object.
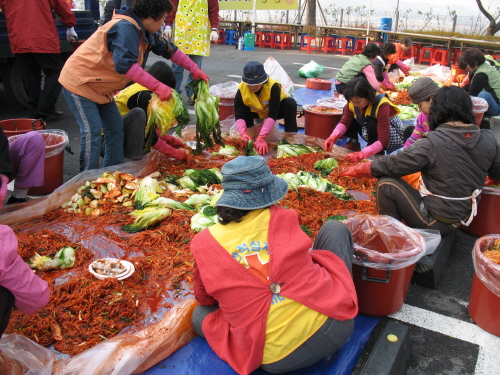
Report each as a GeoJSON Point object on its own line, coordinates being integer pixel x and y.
{"type": "Point", "coordinates": [462, 7]}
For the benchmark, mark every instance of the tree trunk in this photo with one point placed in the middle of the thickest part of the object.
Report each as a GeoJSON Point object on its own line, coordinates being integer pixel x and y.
{"type": "Point", "coordinates": [311, 13]}
{"type": "Point", "coordinates": [493, 27]}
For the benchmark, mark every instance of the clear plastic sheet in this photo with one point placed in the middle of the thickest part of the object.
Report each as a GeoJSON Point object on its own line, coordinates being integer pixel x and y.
{"type": "Point", "coordinates": [486, 270]}
{"type": "Point", "coordinates": [382, 242]}
{"type": "Point", "coordinates": [438, 73]}
{"type": "Point", "coordinates": [19, 355]}
{"type": "Point", "coordinates": [225, 90]}
{"type": "Point", "coordinates": [479, 105]}
{"type": "Point", "coordinates": [432, 239]}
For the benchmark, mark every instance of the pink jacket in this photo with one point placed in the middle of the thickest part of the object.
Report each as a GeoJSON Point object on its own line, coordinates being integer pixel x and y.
{"type": "Point", "coordinates": [31, 24]}
{"type": "Point", "coordinates": [317, 279]}
{"type": "Point", "coordinates": [31, 292]}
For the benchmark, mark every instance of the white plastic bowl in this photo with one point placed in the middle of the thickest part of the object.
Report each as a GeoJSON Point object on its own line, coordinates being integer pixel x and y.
{"type": "Point", "coordinates": [129, 269]}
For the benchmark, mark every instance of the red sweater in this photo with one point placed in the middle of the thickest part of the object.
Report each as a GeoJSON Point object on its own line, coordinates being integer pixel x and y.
{"type": "Point", "coordinates": [317, 279]}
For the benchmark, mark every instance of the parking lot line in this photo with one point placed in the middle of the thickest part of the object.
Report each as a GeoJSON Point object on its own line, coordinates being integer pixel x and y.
{"type": "Point", "coordinates": [488, 361]}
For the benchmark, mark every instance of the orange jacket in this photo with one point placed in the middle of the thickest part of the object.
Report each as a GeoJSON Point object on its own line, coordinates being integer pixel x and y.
{"type": "Point", "coordinates": [90, 71]}
{"type": "Point", "coordinates": [396, 56]}
{"type": "Point", "coordinates": [31, 24]}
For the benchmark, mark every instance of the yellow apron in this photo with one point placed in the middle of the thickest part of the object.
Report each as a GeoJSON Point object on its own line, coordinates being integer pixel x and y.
{"type": "Point", "coordinates": [192, 27]}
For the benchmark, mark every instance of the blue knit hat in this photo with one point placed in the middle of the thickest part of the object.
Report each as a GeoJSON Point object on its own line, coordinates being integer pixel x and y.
{"type": "Point", "coordinates": [249, 184]}
{"type": "Point", "coordinates": [254, 73]}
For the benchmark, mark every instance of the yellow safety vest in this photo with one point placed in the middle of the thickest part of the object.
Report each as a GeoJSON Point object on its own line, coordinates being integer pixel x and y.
{"type": "Point", "coordinates": [123, 96]}
{"type": "Point", "coordinates": [259, 104]}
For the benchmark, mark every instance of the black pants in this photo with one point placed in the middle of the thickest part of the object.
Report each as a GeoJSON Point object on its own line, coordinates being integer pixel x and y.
{"type": "Point", "coordinates": [6, 305]}
{"type": "Point", "coordinates": [397, 198]}
{"type": "Point", "coordinates": [31, 65]}
{"type": "Point", "coordinates": [287, 112]}
{"type": "Point", "coordinates": [371, 128]}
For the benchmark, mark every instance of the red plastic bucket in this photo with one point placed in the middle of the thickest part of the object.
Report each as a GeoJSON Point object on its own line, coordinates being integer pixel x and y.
{"type": "Point", "coordinates": [226, 108]}
{"type": "Point", "coordinates": [456, 71]}
{"type": "Point", "coordinates": [479, 118]}
{"type": "Point", "coordinates": [54, 164]}
{"type": "Point", "coordinates": [21, 125]}
{"type": "Point", "coordinates": [484, 302]}
{"type": "Point", "coordinates": [486, 221]}
{"type": "Point", "coordinates": [320, 125]}
{"type": "Point", "coordinates": [392, 249]}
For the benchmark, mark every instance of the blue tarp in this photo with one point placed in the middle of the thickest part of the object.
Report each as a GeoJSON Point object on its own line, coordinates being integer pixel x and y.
{"type": "Point", "coordinates": [196, 358]}
{"type": "Point", "coordinates": [305, 95]}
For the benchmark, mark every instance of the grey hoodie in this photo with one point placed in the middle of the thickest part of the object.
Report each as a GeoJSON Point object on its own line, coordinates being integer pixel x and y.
{"type": "Point", "coordinates": [454, 161]}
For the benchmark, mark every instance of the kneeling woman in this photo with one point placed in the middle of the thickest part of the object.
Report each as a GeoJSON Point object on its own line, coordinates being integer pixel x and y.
{"type": "Point", "coordinates": [454, 157]}
{"type": "Point", "coordinates": [259, 96]}
{"type": "Point", "coordinates": [267, 299]}
{"type": "Point", "coordinates": [371, 115]}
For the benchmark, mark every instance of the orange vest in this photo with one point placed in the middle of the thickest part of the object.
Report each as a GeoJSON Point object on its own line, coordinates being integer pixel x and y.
{"type": "Point", "coordinates": [396, 56]}
{"type": "Point", "coordinates": [90, 71]}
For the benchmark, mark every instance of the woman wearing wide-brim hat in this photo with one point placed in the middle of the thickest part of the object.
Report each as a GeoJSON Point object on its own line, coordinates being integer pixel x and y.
{"type": "Point", "coordinates": [269, 297]}
{"type": "Point", "coordinates": [261, 97]}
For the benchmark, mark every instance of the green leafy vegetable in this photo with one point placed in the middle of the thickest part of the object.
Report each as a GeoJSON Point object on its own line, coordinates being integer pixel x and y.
{"type": "Point", "coordinates": [336, 217]}
{"type": "Point", "coordinates": [146, 192]}
{"type": "Point", "coordinates": [325, 166]}
{"type": "Point", "coordinates": [147, 217]}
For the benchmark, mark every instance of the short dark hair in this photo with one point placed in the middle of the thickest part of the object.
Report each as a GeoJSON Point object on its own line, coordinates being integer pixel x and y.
{"type": "Point", "coordinates": [163, 73]}
{"type": "Point", "coordinates": [361, 88]}
{"type": "Point", "coordinates": [472, 57]}
{"type": "Point", "coordinates": [154, 9]}
{"type": "Point", "coordinates": [406, 41]}
{"type": "Point", "coordinates": [450, 103]}
{"type": "Point", "coordinates": [388, 49]}
{"type": "Point", "coordinates": [228, 215]}
{"type": "Point", "coordinates": [371, 50]}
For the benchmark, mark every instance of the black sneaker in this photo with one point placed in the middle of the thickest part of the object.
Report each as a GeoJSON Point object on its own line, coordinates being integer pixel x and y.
{"type": "Point", "coordinates": [13, 199]}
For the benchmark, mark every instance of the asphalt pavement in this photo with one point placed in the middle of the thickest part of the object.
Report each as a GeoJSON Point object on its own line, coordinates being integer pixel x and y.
{"type": "Point", "coordinates": [444, 340]}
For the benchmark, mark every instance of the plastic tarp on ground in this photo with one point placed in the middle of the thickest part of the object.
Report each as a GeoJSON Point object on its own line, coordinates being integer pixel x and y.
{"type": "Point", "coordinates": [196, 357]}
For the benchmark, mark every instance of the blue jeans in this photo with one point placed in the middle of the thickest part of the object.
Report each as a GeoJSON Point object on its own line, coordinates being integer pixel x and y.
{"type": "Point", "coordinates": [94, 119]}
{"type": "Point", "coordinates": [179, 75]}
{"type": "Point", "coordinates": [493, 106]}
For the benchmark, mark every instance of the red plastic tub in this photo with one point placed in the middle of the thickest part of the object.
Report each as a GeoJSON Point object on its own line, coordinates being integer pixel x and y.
{"type": "Point", "coordinates": [226, 108]}
{"type": "Point", "coordinates": [320, 125]}
{"type": "Point", "coordinates": [21, 125]}
{"type": "Point", "coordinates": [486, 221]}
{"type": "Point", "coordinates": [456, 71]}
{"type": "Point", "coordinates": [385, 253]}
{"type": "Point", "coordinates": [484, 301]}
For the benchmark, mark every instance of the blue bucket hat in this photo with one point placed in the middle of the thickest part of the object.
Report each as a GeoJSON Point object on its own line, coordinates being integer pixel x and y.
{"type": "Point", "coordinates": [254, 73]}
{"type": "Point", "coordinates": [249, 184]}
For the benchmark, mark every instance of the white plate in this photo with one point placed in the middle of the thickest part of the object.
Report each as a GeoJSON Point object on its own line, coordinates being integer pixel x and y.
{"type": "Point", "coordinates": [129, 269]}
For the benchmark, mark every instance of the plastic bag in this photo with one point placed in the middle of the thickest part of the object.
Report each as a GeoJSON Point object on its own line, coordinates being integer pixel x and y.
{"type": "Point", "coordinates": [134, 353]}
{"type": "Point", "coordinates": [479, 105]}
{"type": "Point", "coordinates": [20, 355]}
{"type": "Point", "coordinates": [438, 73]}
{"type": "Point", "coordinates": [226, 90]}
{"type": "Point", "coordinates": [486, 270]}
{"type": "Point", "coordinates": [311, 70]}
{"type": "Point", "coordinates": [382, 242]}
{"type": "Point", "coordinates": [276, 72]}
{"type": "Point", "coordinates": [432, 239]}
{"type": "Point", "coordinates": [395, 75]}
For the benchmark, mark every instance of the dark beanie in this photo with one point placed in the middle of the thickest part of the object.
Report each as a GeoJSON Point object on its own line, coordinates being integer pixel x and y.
{"type": "Point", "coordinates": [422, 89]}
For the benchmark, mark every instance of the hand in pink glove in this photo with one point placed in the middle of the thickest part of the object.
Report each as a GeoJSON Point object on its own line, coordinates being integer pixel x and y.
{"type": "Point", "coordinates": [354, 157]}
{"type": "Point", "coordinates": [168, 150]}
{"type": "Point", "coordinates": [171, 140]}
{"type": "Point", "coordinates": [339, 131]}
{"type": "Point", "coordinates": [199, 74]}
{"type": "Point", "coordinates": [140, 76]}
{"type": "Point", "coordinates": [242, 129]}
{"type": "Point", "coordinates": [4, 180]}
{"type": "Point", "coordinates": [404, 68]}
{"type": "Point", "coordinates": [387, 82]}
{"type": "Point", "coordinates": [359, 170]}
{"type": "Point", "coordinates": [261, 145]}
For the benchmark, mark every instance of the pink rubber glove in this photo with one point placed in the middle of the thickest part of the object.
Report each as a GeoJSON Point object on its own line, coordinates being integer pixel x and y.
{"type": "Point", "coordinates": [168, 150]}
{"type": "Point", "coordinates": [356, 157]}
{"type": "Point", "coordinates": [4, 180]}
{"type": "Point", "coordinates": [171, 140]}
{"type": "Point", "coordinates": [140, 76]}
{"type": "Point", "coordinates": [361, 170]}
{"type": "Point", "coordinates": [180, 58]}
{"type": "Point", "coordinates": [267, 127]}
{"type": "Point", "coordinates": [387, 82]}
{"type": "Point", "coordinates": [261, 145]}
{"type": "Point", "coordinates": [242, 129]}
{"type": "Point", "coordinates": [404, 68]}
{"type": "Point", "coordinates": [338, 132]}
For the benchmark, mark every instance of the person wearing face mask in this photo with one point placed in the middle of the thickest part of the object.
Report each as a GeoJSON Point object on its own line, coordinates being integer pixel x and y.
{"type": "Point", "coordinates": [261, 97]}
{"type": "Point", "coordinates": [107, 62]}
{"type": "Point", "coordinates": [421, 93]}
